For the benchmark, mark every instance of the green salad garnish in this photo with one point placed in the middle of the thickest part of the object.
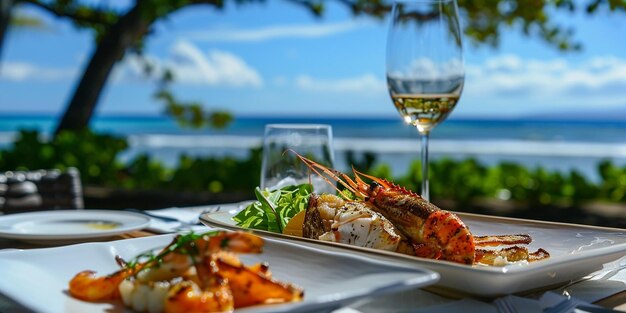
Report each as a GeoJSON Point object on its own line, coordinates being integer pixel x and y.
{"type": "Point", "coordinates": [273, 209]}
{"type": "Point", "coordinates": [183, 244]}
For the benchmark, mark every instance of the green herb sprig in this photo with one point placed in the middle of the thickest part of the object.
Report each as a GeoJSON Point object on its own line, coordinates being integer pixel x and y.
{"type": "Point", "coordinates": [273, 209]}
{"type": "Point", "coordinates": [182, 244]}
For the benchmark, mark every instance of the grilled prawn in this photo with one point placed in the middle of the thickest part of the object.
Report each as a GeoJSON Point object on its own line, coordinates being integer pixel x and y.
{"type": "Point", "coordinates": [195, 273]}
{"type": "Point", "coordinates": [434, 233]}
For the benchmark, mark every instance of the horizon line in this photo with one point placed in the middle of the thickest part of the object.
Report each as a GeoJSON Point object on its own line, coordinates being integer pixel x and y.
{"type": "Point", "coordinates": [303, 116]}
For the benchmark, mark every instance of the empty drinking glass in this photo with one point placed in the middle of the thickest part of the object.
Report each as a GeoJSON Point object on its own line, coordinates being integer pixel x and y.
{"type": "Point", "coordinates": [281, 167]}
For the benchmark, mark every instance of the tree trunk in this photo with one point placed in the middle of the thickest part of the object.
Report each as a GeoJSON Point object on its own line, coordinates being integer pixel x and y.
{"type": "Point", "coordinates": [5, 18]}
{"type": "Point", "coordinates": [128, 29]}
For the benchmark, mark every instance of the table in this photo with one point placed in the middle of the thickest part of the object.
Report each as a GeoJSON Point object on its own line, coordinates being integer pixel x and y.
{"type": "Point", "coordinates": [434, 302]}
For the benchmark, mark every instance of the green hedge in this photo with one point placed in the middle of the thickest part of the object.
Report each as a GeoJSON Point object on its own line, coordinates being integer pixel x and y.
{"type": "Point", "coordinates": [97, 158]}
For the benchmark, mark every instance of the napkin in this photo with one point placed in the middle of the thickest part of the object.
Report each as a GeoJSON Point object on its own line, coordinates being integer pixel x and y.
{"type": "Point", "coordinates": [464, 305]}
{"type": "Point", "coordinates": [516, 304]}
{"type": "Point", "coordinates": [405, 301]}
{"type": "Point", "coordinates": [549, 302]}
{"type": "Point", "coordinates": [555, 303]}
{"type": "Point", "coordinates": [421, 301]}
{"type": "Point", "coordinates": [609, 281]}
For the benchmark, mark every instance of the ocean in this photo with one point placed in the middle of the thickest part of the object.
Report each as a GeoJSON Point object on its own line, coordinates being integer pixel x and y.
{"type": "Point", "coordinates": [561, 145]}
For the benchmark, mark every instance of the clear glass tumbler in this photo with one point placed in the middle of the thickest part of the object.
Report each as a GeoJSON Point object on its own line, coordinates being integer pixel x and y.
{"type": "Point", "coordinates": [281, 167]}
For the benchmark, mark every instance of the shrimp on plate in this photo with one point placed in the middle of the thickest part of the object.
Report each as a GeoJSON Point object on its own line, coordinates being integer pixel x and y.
{"type": "Point", "coordinates": [194, 273]}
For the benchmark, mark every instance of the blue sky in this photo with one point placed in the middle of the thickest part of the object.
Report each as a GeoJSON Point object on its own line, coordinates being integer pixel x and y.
{"type": "Point", "coordinates": [276, 58]}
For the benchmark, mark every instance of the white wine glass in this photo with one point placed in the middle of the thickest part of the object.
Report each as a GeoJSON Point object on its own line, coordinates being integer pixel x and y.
{"type": "Point", "coordinates": [425, 72]}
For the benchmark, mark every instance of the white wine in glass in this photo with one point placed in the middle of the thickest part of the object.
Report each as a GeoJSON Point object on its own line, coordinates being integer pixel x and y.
{"type": "Point", "coordinates": [425, 73]}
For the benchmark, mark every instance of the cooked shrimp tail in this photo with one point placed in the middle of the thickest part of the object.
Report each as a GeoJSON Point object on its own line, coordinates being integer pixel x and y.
{"type": "Point", "coordinates": [87, 286]}
{"type": "Point", "coordinates": [250, 287]}
{"type": "Point", "coordinates": [186, 296]}
{"type": "Point", "coordinates": [238, 242]}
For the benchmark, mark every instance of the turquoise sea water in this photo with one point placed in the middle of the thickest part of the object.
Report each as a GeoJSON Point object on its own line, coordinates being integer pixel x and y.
{"type": "Point", "coordinates": [513, 129]}
{"type": "Point", "coordinates": [555, 144]}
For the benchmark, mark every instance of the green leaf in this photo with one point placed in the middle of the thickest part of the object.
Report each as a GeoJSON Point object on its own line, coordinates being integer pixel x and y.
{"type": "Point", "coordinates": [273, 209]}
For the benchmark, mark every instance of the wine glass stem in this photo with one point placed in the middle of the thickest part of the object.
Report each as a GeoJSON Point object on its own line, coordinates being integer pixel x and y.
{"type": "Point", "coordinates": [425, 191]}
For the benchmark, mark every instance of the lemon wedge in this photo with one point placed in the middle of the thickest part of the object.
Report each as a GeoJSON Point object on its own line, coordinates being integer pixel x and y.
{"type": "Point", "coordinates": [294, 227]}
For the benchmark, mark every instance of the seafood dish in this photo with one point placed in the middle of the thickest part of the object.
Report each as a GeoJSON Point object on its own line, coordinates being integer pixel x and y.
{"type": "Point", "coordinates": [194, 273]}
{"type": "Point", "coordinates": [389, 217]}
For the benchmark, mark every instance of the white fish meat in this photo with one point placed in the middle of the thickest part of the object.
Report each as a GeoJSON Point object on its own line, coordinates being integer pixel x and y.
{"type": "Point", "coordinates": [331, 218]}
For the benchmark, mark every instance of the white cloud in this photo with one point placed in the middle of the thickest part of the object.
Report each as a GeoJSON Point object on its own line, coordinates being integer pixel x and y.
{"type": "Point", "coordinates": [22, 71]}
{"type": "Point", "coordinates": [426, 68]}
{"type": "Point", "coordinates": [189, 65]}
{"type": "Point", "coordinates": [600, 80]}
{"type": "Point", "coordinates": [367, 83]}
{"type": "Point", "coordinates": [273, 32]}
{"type": "Point", "coordinates": [505, 63]}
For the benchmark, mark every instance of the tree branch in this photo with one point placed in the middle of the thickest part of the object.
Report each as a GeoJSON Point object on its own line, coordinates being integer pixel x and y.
{"type": "Point", "coordinates": [315, 7]}
{"type": "Point", "coordinates": [80, 14]}
{"type": "Point", "coordinates": [376, 8]}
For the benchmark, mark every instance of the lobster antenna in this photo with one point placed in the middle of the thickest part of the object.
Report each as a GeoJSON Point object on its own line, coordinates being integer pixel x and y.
{"type": "Point", "coordinates": [385, 183]}
{"type": "Point", "coordinates": [336, 175]}
{"type": "Point", "coordinates": [357, 177]}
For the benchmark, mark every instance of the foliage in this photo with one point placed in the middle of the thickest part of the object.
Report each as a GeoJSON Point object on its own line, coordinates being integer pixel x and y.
{"type": "Point", "coordinates": [485, 20]}
{"type": "Point", "coordinates": [364, 163]}
{"type": "Point", "coordinates": [466, 175]}
{"type": "Point", "coordinates": [187, 114]}
{"type": "Point", "coordinates": [613, 187]}
{"type": "Point", "coordinates": [97, 158]}
{"type": "Point", "coordinates": [467, 179]}
{"type": "Point", "coordinates": [273, 209]}
{"type": "Point", "coordinates": [143, 172]}
{"type": "Point", "coordinates": [217, 174]}
{"type": "Point", "coordinates": [182, 244]}
{"type": "Point", "coordinates": [191, 114]}
{"type": "Point", "coordinates": [26, 21]}
{"type": "Point", "coordinates": [95, 155]}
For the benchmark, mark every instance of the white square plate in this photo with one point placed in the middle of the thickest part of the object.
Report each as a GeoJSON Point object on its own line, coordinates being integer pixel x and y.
{"type": "Point", "coordinates": [38, 279]}
{"type": "Point", "coordinates": [575, 251]}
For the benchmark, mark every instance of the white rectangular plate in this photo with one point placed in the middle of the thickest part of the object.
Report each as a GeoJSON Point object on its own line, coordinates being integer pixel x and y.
{"type": "Point", "coordinates": [575, 251]}
{"type": "Point", "coordinates": [38, 279]}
